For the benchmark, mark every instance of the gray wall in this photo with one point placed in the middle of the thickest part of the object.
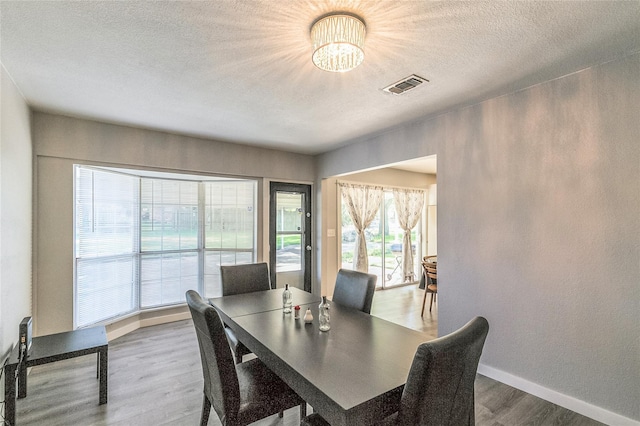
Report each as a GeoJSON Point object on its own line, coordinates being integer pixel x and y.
{"type": "Point", "coordinates": [539, 231]}
{"type": "Point", "coordinates": [15, 214]}
{"type": "Point", "coordinates": [60, 142]}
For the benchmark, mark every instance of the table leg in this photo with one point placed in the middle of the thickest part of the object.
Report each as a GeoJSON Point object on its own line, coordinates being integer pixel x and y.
{"type": "Point", "coordinates": [103, 360]}
{"type": "Point", "coordinates": [10, 394]}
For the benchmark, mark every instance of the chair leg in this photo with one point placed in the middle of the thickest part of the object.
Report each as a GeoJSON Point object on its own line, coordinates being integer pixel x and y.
{"type": "Point", "coordinates": [238, 358]}
{"type": "Point", "coordinates": [206, 409]}
{"type": "Point", "coordinates": [424, 300]}
{"type": "Point", "coordinates": [281, 414]}
{"type": "Point", "coordinates": [433, 298]}
{"type": "Point", "coordinates": [303, 410]}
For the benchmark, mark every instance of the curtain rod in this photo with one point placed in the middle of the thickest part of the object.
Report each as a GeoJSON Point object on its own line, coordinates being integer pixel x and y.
{"type": "Point", "coordinates": [338, 182]}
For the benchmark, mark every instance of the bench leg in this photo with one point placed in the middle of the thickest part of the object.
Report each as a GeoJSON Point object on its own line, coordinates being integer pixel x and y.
{"type": "Point", "coordinates": [10, 395]}
{"type": "Point", "coordinates": [103, 373]}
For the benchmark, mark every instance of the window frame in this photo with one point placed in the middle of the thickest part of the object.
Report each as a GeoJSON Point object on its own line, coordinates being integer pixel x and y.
{"type": "Point", "coordinates": [245, 253]}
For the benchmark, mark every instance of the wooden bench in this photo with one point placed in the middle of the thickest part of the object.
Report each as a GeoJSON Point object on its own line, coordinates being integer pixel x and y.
{"type": "Point", "coordinates": [52, 348]}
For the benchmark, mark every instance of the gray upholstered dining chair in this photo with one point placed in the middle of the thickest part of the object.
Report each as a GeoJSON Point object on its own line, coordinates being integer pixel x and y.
{"type": "Point", "coordinates": [355, 289]}
{"type": "Point", "coordinates": [239, 393]}
{"type": "Point", "coordinates": [440, 385]}
{"type": "Point", "coordinates": [237, 279]}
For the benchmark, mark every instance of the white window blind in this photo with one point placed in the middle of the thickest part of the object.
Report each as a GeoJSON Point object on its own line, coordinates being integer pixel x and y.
{"type": "Point", "coordinates": [230, 228]}
{"type": "Point", "coordinates": [169, 215]}
{"type": "Point", "coordinates": [170, 252]}
{"type": "Point", "coordinates": [142, 241]}
{"type": "Point", "coordinates": [106, 226]}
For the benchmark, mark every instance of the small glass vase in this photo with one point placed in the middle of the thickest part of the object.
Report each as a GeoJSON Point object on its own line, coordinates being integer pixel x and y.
{"type": "Point", "coordinates": [286, 299]}
{"type": "Point", "coordinates": [323, 315]}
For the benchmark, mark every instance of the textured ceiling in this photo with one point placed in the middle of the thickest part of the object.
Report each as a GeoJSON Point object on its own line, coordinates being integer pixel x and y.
{"type": "Point", "coordinates": [241, 71]}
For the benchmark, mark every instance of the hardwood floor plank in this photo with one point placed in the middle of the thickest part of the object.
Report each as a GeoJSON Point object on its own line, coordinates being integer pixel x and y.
{"type": "Point", "coordinates": [402, 305]}
{"type": "Point", "coordinates": [155, 378]}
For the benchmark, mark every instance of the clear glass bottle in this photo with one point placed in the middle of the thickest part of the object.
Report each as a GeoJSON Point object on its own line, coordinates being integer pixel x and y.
{"type": "Point", "coordinates": [286, 299]}
{"type": "Point", "coordinates": [323, 314]}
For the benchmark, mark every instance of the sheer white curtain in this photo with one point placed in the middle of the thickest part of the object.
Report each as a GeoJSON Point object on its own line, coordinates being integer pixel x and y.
{"type": "Point", "coordinates": [362, 202]}
{"type": "Point", "coordinates": [409, 203]}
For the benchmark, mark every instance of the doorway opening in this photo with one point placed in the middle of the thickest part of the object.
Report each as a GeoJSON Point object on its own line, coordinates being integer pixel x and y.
{"type": "Point", "coordinates": [384, 240]}
{"type": "Point", "coordinates": [384, 235]}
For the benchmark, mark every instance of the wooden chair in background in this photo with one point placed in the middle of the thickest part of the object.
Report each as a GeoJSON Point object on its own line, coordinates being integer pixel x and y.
{"type": "Point", "coordinates": [429, 264]}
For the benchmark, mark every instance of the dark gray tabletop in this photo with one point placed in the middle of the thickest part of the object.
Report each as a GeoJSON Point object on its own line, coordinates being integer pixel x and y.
{"type": "Point", "coordinates": [259, 301]}
{"type": "Point", "coordinates": [352, 375]}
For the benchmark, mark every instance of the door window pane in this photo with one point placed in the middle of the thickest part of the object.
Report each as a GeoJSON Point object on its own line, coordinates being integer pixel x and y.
{"type": "Point", "coordinates": [374, 234]}
{"type": "Point", "coordinates": [289, 231]}
{"type": "Point", "coordinates": [289, 213]}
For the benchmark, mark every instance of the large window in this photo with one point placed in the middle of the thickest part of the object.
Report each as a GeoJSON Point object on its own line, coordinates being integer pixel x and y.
{"type": "Point", "coordinates": [142, 241]}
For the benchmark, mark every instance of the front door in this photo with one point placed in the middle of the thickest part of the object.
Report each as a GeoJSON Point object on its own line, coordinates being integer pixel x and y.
{"type": "Point", "coordinates": [290, 235]}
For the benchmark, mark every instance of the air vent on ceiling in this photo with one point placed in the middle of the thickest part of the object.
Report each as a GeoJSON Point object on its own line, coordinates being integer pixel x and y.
{"type": "Point", "coordinates": [406, 84]}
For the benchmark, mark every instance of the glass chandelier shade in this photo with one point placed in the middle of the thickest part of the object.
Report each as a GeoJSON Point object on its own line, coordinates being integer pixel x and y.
{"type": "Point", "coordinates": [338, 43]}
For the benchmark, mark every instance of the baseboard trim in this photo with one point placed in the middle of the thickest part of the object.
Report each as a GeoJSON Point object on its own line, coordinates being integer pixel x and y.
{"type": "Point", "coordinates": [115, 330]}
{"type": "Point", "coordinates": [147, 322]}
{"type": "Point", "coordinates": [568, 402]}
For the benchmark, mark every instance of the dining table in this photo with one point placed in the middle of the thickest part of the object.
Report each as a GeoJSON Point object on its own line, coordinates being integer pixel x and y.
{"type": "Point", "coordinates": [352, 374]}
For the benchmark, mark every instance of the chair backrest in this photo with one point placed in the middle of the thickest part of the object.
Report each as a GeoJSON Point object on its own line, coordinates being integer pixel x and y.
{"type": "Point", "coordinates": [440, 385]}
{"type": "Point", "coordinates": [245, 278]}
{"type": "Point", "coordinates": [220, 377]}
{"type": "Point", "coordinates": [355, 289]}
{"type": "Point", "coordinates": [430, 269]}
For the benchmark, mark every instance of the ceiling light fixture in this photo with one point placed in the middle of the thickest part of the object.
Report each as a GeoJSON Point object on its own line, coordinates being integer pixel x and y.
{"type": "Point", "coordinates": [338, 42]}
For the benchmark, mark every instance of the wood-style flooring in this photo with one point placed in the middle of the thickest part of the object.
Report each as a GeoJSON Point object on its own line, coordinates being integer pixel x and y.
{"type": "Point", "coordinates": [155, 378]}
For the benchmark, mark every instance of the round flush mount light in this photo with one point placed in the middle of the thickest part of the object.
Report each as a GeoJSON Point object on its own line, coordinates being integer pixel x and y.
{"type": "Point", "coordinates": [338, 42]}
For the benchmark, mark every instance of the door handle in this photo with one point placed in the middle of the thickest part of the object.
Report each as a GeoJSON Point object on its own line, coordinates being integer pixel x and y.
{"type": "Point", "coordinates": [308, 248]}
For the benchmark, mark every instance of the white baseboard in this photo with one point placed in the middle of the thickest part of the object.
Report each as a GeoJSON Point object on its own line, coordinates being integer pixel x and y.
{"type": "Point", "coordinates": [568, 402]}
{"type": "Point", "coordinates": [119, 331]}
{"type": "Point", "coordinates": [147, 322]}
